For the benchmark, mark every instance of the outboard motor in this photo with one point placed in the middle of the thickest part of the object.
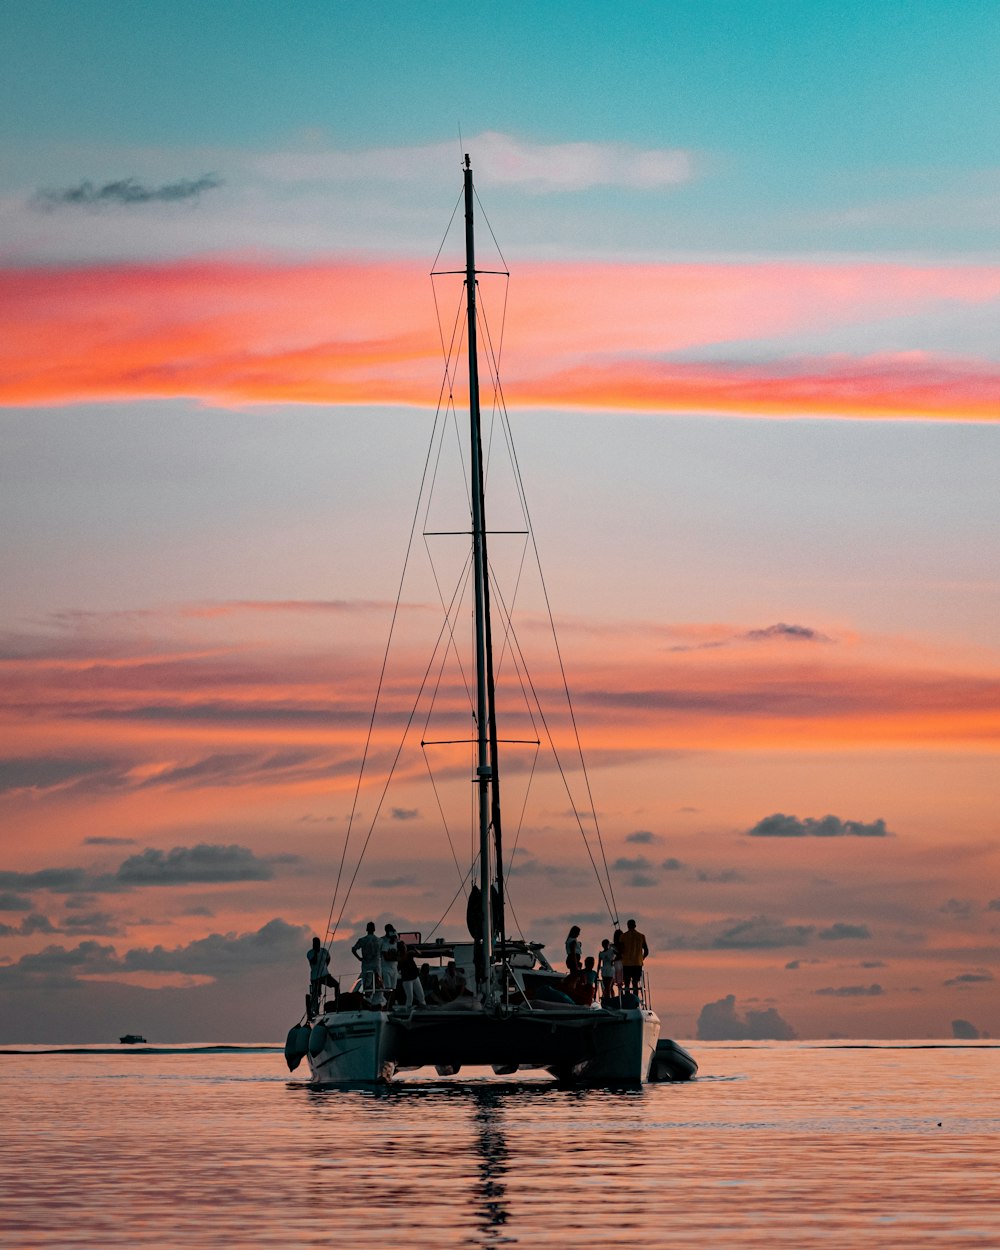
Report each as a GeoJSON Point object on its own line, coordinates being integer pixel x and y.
{"type": "Point", "coordinates": [296, 1045]}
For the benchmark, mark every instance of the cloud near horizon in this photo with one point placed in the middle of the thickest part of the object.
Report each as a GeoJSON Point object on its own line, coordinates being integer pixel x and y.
{"type": "Point", "coordinates": [720, 1022]}
{"type": "Point", "coordinates": [275, 943]}
{"type": "Point", "coordinates": [594, 336]}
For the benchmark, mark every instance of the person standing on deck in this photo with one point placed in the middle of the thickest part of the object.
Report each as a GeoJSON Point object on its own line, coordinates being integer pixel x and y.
{"type": "Point", "coordinates": [606, 964]}
{"type": "Point", "coordinates": [368, 949]}
{"type": "Point", "coordinates": [319, 965]}
{"type": "Point", "coordinates": [574, 949]}
{"type": "Point", "coordinates": [589, 976]}
{"type": "Point", "coordinates": [634, 950]}
{"type": "Point", "coordinates": [389, 951]}
{"type": "Point", "coordinates": [616, 946]}
{"type": "Point", "coordinates": [409, 974]}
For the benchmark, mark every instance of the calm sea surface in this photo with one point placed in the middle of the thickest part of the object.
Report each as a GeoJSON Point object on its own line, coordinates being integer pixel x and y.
{"type": "Point", "coordinates": [797, 1144]}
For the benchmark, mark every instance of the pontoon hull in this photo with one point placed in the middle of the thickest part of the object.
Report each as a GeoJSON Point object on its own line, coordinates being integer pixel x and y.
{"type": "Point", "coordinates": [578, 1045]}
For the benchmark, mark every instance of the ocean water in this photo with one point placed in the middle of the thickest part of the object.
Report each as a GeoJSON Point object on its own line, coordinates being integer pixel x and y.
{"type": "Point", "coordinates": [794, 1144]}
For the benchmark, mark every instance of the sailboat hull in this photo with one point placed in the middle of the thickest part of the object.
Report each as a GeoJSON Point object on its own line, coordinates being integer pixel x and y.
{"type": "Point", "coordinates": [574, 1044]}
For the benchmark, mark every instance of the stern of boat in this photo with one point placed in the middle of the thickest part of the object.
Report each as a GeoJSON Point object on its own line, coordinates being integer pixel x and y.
{"type": "Point", "coordinates": [351, 1047]}
{"type": "Point", "coordinates": [623, 1054]}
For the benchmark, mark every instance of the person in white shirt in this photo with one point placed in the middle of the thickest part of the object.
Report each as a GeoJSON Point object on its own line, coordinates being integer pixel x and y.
{"type": "Point", "coordinates": [368, 949]}
{"type": "Point", "coordinates": [389, 951]}
{"type": "Point", "coordinates": [606, 960]}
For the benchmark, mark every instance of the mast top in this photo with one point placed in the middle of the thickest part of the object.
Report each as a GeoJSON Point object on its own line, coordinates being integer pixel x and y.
{"type": "Point", "coordinates": [468, 163]}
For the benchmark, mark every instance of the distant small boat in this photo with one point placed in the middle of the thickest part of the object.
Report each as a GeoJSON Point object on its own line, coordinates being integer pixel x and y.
{"type": "Point", "coordinates": [130, 1039]}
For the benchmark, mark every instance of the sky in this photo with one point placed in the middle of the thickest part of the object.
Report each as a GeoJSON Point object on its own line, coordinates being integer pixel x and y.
{"type": "Point", "coordinates": [751, 365]}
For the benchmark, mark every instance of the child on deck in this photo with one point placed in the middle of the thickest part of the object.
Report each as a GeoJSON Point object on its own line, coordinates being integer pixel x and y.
{"type": "Point", "coordinates": [590, 979]}
{"type": "Point", "coordinates": [606, 960]}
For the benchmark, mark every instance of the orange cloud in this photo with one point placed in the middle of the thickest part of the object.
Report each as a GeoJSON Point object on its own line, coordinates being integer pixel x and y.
{"type": "Point", "coordinates": [578, 335]}
{"type": "Point", "coordinates": [280, 717]}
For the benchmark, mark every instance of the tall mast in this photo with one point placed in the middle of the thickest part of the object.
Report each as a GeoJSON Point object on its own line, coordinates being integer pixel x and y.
{"type": "Point", "coordinates": [484, 771]}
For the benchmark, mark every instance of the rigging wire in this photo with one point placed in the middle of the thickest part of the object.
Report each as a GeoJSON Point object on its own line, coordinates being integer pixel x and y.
{"type": "Point", "coordinates": [452, 645]}
{"type": "Point", "coordinates": [391, 773]}
{"type": "Point", "coordinates": [444, 821]}
{"type": "Point", "coordinates": [454, 899]}
{"type": "Point", "coordinates": [447, 231]}
{"type": "Point", "coordinates": [565, 683]}
{"type": "Point", "coordinates": [446, 401]}
{"type": "Point", "coordinates": [446, 386]}
{"type": "Point", "coordinates": [610, 904]}
{"type": "Point", "coordinates": [512, 451]}
{"type": "Point", "coordinates": [490, 229]}
{"type": "Point", "coordinates": [378, 689]}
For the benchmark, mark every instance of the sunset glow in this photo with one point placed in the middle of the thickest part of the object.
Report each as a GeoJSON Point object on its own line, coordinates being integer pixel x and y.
{"type": "Point", "coordinates": [739, 328]}
{"type": "Point", "coordinates": [592, 336]}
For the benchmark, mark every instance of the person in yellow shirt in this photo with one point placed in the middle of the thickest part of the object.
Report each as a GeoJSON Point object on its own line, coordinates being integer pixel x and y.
{"type": "Point", "coordinates": [633, 951]}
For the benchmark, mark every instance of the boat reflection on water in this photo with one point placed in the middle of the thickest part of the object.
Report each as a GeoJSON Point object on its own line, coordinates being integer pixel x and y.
{"type": "Point", "coordinates": [493, 1156]}
{"type": "Point", "coordinates": [394, 1128]}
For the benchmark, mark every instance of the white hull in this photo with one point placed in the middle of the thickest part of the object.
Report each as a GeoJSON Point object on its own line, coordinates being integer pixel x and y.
{"type": "Point", "coordinates": [578, 1045]}
{"type": "Point", "coordinates": [626, 1056]}
{"type": "Point", "coordinates": [356, 1049]}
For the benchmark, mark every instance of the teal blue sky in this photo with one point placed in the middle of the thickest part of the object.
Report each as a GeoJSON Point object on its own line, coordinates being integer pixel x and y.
{"type": "Point", "coordinates": [842, 84]}
{"type": "Point", "coordinates": [812, 125]}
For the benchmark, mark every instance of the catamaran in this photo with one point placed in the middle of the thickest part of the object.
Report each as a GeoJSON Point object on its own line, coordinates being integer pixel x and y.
{"type": "Point", "coordinates": [514, 1015]}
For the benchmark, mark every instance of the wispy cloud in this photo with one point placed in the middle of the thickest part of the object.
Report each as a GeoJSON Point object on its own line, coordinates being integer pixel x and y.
{"type": "Point", "coordinates": [756, 933]}
{"type": "Point", "coordinates": [961, 907]}
{"type": "Point", "coordinates": [780, 632]}
{"type": "Point", "coordinates": [850, 991]}
{"type": "Point", "coordinates": [246, 715]}
{"type": "Point", "coordinates": [188, 864]}
{"type": "Point", "coordinates": [274, 944]}
{"type": "Point", "coordinates": [204, 863]}
{"type": "Point", "coordinates": [782, 826]}
{"type": "Point", "coordinates": [839, 931]}
{"type": "Point", "coordinates": [643, 837]}
{"type": "Point", "coordinates": [499, 160]}
{"type": "Point", "coordinates": [46, 772]}
{"type": "Point", "coordinates": [982, 976]}
{"type": "Point", "coordinates": [125, 192]}
{"type": "Point", "coordinates": [637, 863]}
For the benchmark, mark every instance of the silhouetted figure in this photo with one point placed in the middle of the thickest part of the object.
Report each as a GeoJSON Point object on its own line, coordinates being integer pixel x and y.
{"type": "Point", "coordinates": [450, 985]}
{"type": "Point", "coordinates": [589, 976]}
{"type": "Point", "coordinates": [409, 974]}
{"type": "Point", "coordinates": [574, 949]}
{"type": "Point", "coordinates": [369, 950]}
{"type": "Point", "coordinates": [319, 973]}
{"type": "Point", "coordinates": [389, 953]}
{"type": "Point", "coordinates": [606, 967]}
{"type": "Point", "coordinates": [616, 942]}
{"type": "Point", "coordinates": [634, 950]}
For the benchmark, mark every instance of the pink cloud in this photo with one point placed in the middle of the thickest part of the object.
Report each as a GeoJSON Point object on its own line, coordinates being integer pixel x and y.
{"type": "Point", "coordinates": [578, 335]}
